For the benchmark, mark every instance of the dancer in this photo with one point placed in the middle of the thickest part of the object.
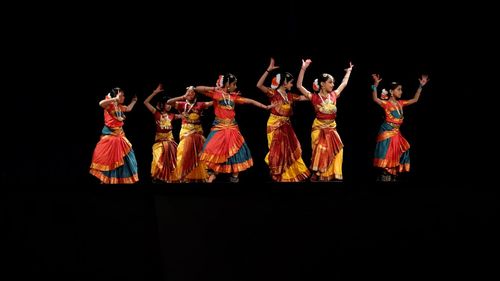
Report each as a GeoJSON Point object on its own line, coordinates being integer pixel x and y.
{"type": "Point", "coordinates": [327, 147]}
{"type": "Point", "coordinates": [225, 150]}
{"type": "Point", "coordinates": [113, 160]}
{"type": "Point", "coordinates": [165, 148]}
{"type": "Point", "coordinates": [189, 167]}
{"type": "Point", "coordinates": [285, 154]}
{"type": "Point", "coordinates": [392, 153]}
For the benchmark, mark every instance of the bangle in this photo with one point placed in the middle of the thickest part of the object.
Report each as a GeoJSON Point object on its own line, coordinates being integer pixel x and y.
{"type": "Point", "coordinates": [374, 87]}
{"type": "Point", "coordinates": [420, 86]}
{"type": "Point", "coordinates": [267, 70]}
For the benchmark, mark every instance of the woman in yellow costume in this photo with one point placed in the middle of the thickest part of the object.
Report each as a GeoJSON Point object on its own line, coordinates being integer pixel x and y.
{"type": "Point", "coordinates": [285, 154]}
{"type": "Point", "coordinates": [165, 147]}
{"type": "Point", "coordinates": [327, 147]}
{"type": "Point", "coordinates": [189, 167]}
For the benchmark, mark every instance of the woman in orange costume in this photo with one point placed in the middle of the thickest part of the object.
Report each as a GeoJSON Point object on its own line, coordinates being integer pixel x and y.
{"type": "Point", "coordinates": [113, 161]}
{"type": "Point", "coordinates": [165, 147]}
{"type": "Point", "coordinates": [189, 167]}
{"type": "Point", "coordinates": [285, 154]}
{"type": "Point", "coordinates": [225, 150]}
{"type": "Point", "coordinates": [392, 153]}
{"type": "Point", "coordinates": [327, 147]}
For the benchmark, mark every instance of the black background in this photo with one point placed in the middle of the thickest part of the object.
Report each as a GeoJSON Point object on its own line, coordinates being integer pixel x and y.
{"type": "Point", "coordinates": [71, 61]}
{"type": "Point", "coordinates": [61, 61]}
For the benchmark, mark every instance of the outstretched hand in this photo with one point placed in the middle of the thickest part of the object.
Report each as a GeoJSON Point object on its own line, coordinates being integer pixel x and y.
{"type": "Point", "coordinates": [268, 107]}
{"type": "Point", "coordinates": [306, 63]}
{"type": "Point", "coordinates": [118, 96]}
{"type": "Point", "coordinates": [271, 66]}
{"type": "Point", "coordinates": [424, 79]}
{"type": "Point", "coordinates": [376, 79]}
{"type": "Point", "coordinates": [350, 67]}
{"type": "Point", "coordinates": [159, 88]}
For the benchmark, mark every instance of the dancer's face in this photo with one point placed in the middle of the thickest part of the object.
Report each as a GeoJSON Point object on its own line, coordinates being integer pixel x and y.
{"type": "Point", "coordinates": [397, 92]}
{"type": "Point", "coordinates": [190, 94]}
{"type": "Point", "coordinates": [121, 96]}
{"type": "Point", "coordinates": [328, 85]}
{"type": "Point", "coordinates": [289, 84]}
{"type": "Point", "coordinates": [232, 87]}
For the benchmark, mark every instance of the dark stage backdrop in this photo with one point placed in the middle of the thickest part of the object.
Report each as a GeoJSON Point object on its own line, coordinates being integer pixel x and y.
{"type": "Point", "coordinates": [135, 48]}
{"type": "Point", "coordinates": [61, 60]}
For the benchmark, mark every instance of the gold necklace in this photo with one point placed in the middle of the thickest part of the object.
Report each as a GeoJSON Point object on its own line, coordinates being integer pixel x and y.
{"type": "Point", "coordinates": [118, 112]}
{"type": "Point", "coordinates": [187, 110]}
{"type": "Point", "coordinates": [396, 105]}
{"type": "Point", "coordinates": [284, 96]}
{"type": "Point", "coordinates": [226, 100]}
{"type": "Point", "coordinates": [327, 98]}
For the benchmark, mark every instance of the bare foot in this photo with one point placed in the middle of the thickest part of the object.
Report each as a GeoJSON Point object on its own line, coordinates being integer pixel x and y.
{"type": "Point", "coordinates": [211, 178]}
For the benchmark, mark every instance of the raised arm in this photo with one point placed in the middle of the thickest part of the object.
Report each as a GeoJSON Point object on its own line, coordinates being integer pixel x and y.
{"type": "Point", "coordinates": [256, 103]}
{"type": "Point", "coordinates": [132, 103]}
{"type": "Point", "coordinates": [376, 80]}
{"type": "Point", "coordinates": [147, 101]}
{"type": "Point", "coordinates": [189, 90]}
{"type": "Point", "coordinates": [342, 85]}
{"type": "Point", "coordinates": [260, 83]}
{"type": "Point", "coordinates": [301, 98]}
{"type": "Point", "coordinates": [104, 103]}
{"type": "Point", "coordinates": [204, 90]}
{"type": "Point", "coordinates": [176, 99]}
{"type": "Point", "coordinates": [423, 80]}
{"type": "Point", "coordinates": [304, 91]}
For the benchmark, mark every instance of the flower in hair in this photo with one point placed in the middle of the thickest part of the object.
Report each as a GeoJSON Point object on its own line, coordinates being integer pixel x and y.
{"type": "Point", "coordinates": [276, 81]}
{"type": "Point", "coordinates": [219, 81]}
{"type": "Point", "coordinates": [384, 95]}
{"type": "Point", "coordinates": [316, 85]}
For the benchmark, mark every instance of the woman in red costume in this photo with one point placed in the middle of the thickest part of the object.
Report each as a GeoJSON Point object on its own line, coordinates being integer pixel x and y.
{"type": "Point", "coordinates": [392, 153]}
{"type": "Point", "coordinates": [113, 161]}
{"type": "Point", "coordinates": [225, 150]}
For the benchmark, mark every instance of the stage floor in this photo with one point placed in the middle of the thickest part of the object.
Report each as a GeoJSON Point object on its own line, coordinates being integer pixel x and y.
{"type": "Point", "coordinates": [309, 231]}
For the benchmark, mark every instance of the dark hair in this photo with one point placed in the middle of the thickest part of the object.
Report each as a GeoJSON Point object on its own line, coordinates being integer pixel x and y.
{"type": "Point", "coordinates": [324, 77]}
{"type": "Point", "coordinates": [287, 77]}
{"type": "Point", "coordinates": [114, 92]}
{"type": "Point", "coordinates": [160, 104]}
{"type": "Point", "coordinates": [394, 85]}
{"type": "Point", "coordinates": [228, 78]}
